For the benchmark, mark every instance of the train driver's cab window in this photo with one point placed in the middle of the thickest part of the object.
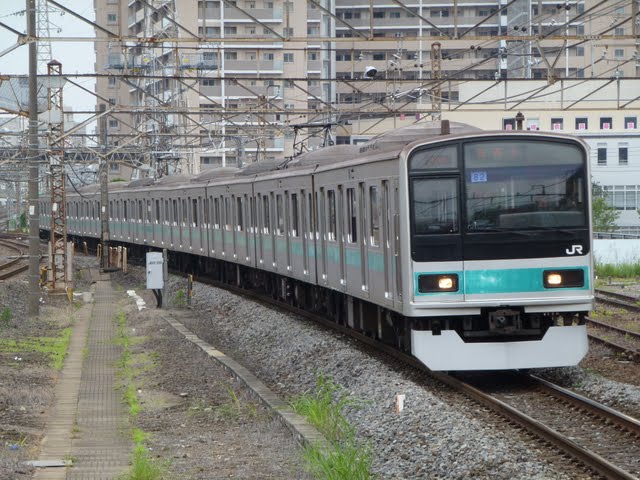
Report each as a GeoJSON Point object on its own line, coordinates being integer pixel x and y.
{"type": "Point", "coordinates": [435, 206]}
{"type": "Point", "coordinates": [331, 227]}
{"type": "Point", "coordinates": [524, 185]}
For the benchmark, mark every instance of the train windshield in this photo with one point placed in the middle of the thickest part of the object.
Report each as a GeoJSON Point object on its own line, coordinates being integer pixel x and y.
{"type": "Point", "coordinates": [524, 184]}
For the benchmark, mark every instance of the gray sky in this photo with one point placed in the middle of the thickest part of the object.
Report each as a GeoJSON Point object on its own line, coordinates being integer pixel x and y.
{"type": "Point", "coordinates": [76, 57]}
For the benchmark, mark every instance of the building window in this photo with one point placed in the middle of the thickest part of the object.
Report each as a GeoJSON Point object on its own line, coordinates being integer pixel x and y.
{"type": "Point", "coordinates": [618, 53]}
{"type": "Point", "coordinates": [619, 31]}
{"type": "Point", "coordinates": [630, 123]}
{"type": "Point", "coordinates": [602, 154]}
{"type": "Point", "coordinates": [113, 123]}
{"type": "Point", "coordinates": [111, 81]}
{"type": "Point", "coordinates": [579, 51]}
{"type": "Point", "coordinates": [508, 123]}
{"type": "Point", "coordinates": [112, 18]}
{"type": "Point", "coordinates": [557, 123]}
{"type": "Point", "coordinates": [288, 57]}
{"type": "Point", "coordinates": [606, 123]}
{"type": "Point", "coordinates": [623, 154]}
{"type": "Point", "coordinates": [582, 123]}
{"type": "Point", "coordinates": [379, 56]}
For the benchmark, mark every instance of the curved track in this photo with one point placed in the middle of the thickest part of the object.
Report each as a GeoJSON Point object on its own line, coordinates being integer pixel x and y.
{"type": "Point", "coordinates": [13, 264]}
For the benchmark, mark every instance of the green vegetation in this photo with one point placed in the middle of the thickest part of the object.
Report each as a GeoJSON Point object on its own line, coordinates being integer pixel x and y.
{"type": "Point", "coordinates": [623, 270]}
{"type": "Point", "coordinates": [235, 408]}
{"type": "Point", "coordinates": [6, 315]}
{"type": "Point", "coordinates": [180, 298]}
{"type": "Point", "coordinates": [130, 365]}
{"type": "Point", "coordinates": [604, 215]}
{"type": "Point", "coordinates": [344, 457]}
{"type": "Point", "coordinates": [54, 347]}
{"type": "Point", "coordinates": [143, 467]}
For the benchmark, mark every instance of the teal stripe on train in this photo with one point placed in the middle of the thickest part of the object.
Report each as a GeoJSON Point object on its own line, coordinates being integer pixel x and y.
{"type": "Point", "coordinates": [515, 280]}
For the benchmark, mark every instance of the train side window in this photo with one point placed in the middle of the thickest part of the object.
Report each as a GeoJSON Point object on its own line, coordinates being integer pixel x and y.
{"type": "Point", "coordinates": [265, 214]}
{"type": "Point", "coordinates": [206, 214]}
{"type": "Point", "coordinates": [331, 227]}
{"type": "Point", "coordinates": [295, 227]}
{"type": "Point", "coordinates": [352, 219]}
{"type": "Point", "coordinates": [374, 231]}
{"type": "Point", "coordinates": [252, 214]}
{"type": "Point", "coordinates": [216, 213]}
{"type": "Point", "coordinates": [185, 213]}
{"type": "Point", "coordinates": [148, 213]}
{"type": "Point", "coordinates": [227, 213]}
{"type": "Point", "coordinates": [157, 212]}
{"type": "Point", "coordinates": [174, 218]}
{"type": "Point", "coordinates": [166, 212]}
{"type": "Point", "coordinates": [239, 214]}
{"type": "Point", "coordinates": [110, 210]}
{"type": "Point", "coordinates": [194, 211]}
{"type": "Point", "coordinates": [124, 211]}
{"type": "Point", "coordinates": [140, 211]}
{"type": "Point", "coordinates": [279, 215]}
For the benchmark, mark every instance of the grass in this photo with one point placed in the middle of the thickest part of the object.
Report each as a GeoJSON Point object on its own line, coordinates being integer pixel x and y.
{"type": "Point", "coordinates": [130, 365]}
{"type": "Point", "coordinates": [6, 315]}
{"type": "Point", "coordinates": [54, 347]}
{"type": "Point", "coordinates": [623, 270]}
{"type": "Point", "coordinates": [344, 457]}
{"type": "Point", "coordinates": [143, 467]}
{"type": "Point", "coordinates": [180, 299]}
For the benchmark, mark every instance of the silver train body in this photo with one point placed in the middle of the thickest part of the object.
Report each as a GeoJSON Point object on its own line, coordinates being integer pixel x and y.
{"type": "Point", "coordinates": [472, 249]}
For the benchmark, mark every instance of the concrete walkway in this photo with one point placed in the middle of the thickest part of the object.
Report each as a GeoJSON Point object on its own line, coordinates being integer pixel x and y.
{"type": "Point", "coordinates": [89, 424]}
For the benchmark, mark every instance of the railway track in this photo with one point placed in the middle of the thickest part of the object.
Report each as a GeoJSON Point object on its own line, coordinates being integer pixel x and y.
{"type": "Point", "coordinates": [552, 415]}
{"type": "Point", "coordinates": [14, 264]}
{"type": "Point", "coordinates": [621, 340]}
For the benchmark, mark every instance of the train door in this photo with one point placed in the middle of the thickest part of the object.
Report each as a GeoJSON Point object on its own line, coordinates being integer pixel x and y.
{"type": "Point", "coordinates": [364, 254]}
{"type": "Point", "coordinates": [323, 233]}
{"type": "Point", "coordinates": [387, 250]}
{"type": "Point", "coordinates": [288, 225]}
{"type": "Point", "coordinates": [274, 230]}
{"type": "Point", "coordinates": [304, 221]}
{"type": "Point", "coordinates": [395, 236]}
{"type": "Point", "coordinates": [340, 234]}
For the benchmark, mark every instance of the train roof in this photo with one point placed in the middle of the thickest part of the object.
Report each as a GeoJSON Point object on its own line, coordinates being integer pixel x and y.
{"type": "Point", "coordinates": [214, 174]}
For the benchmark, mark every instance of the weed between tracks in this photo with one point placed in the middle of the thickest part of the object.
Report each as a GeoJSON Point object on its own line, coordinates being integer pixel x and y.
{"type": "Point", "coordinates": [143, 467]}
{"type": "Point", "coordinates": [345, 457]}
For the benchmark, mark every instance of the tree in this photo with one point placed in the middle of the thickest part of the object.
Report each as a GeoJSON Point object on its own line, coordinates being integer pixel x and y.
{"type": "Point", "coordinates": [604, 215]}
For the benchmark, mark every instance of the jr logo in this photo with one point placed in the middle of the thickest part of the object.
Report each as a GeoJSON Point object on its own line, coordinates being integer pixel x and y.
{"type": "Point", "coordinates": [575, 249]}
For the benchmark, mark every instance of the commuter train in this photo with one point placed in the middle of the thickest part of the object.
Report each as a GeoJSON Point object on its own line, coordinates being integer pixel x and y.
{"type": "Point", "coordinates": [469, 249]}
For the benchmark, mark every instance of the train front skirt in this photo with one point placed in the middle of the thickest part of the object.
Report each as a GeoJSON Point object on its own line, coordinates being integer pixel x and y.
{"type": "Point", "coordinates": [560, 347]}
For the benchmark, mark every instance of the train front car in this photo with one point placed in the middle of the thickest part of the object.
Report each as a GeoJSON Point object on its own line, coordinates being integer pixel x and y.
{"type": "Point", "coordinates": [500, 251]}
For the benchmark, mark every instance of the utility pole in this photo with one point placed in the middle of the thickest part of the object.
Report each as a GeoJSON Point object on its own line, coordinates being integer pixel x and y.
{"type": "Point", "coordinates": [33, 304]}
{"type": "Point", "coordinates": [104, 193]}
{"type": "Point", "coordinates": [436, 76]}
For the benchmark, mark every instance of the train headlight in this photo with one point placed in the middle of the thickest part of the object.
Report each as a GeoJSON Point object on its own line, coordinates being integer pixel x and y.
{"type": "Point", "coordinates": [563, 278]}
{"type": "Point", "coordinates": [438, 283]}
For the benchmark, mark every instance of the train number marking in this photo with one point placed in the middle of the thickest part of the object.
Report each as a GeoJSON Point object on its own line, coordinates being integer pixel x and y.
{"type": "Point", "coordinates": [575, 249]}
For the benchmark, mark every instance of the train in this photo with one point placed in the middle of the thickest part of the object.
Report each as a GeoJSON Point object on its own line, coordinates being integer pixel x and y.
{"type": "Point", "coordinates": [469, 249]}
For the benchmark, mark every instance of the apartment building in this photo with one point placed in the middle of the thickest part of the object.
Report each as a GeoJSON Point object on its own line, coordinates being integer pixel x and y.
{"type": "Point", "coordinates": [200, 104]}
{"type": "Point", "coordinates": [464, 31]}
